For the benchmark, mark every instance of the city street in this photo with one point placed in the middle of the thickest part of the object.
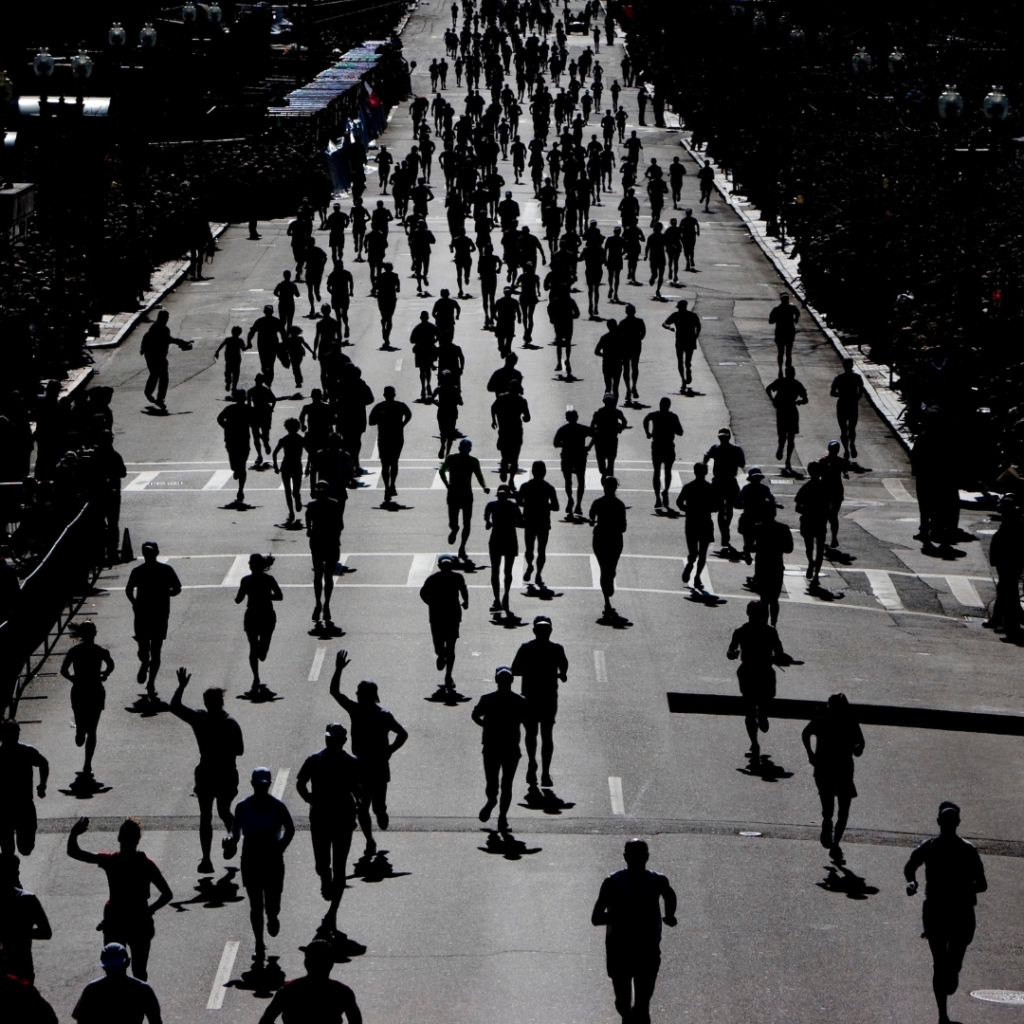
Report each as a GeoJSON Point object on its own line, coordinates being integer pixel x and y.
{"type": "Point", "coordinates": [464, 930]}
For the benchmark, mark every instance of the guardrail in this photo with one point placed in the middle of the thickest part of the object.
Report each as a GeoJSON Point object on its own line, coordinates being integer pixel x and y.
{"type": "Point", "coordinates": [48, 600]}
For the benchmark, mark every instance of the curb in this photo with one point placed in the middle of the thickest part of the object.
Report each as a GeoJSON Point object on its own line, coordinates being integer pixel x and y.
{"type": "Point", "coordinates": [176, 271]}
{"type": "Point", "coordinates": [884, 401]}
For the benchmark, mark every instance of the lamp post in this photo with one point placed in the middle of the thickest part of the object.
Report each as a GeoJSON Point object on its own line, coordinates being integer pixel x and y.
{"type": "Point", "coordinates": [6, 95]}
{"type": "Point", "coordinates": [897, 63]}
{"type": "Point", "coordinates": [81, 69]}
{"type": "Point", "coordinates": [42, 65]}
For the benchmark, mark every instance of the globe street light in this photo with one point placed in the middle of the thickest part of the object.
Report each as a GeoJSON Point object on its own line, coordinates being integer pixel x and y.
{"type": "Point", "coordinates": [897, 63]}
{"type": "Point", "coordinates": [43, 63]}
{"type": "Point", "coordinates": [951, 104]}
{"type": "Point", "coordinates": [147, 36]}
{"type": "Point", "coordinates": [995, 105]}
{"type": "Point", "coordinates": [188, 13]}
{"type": "Point", "coordinates": [861, 61]}
{"type": "Point", "coordinates": [117, 36]}
{"type": "Point", "coordinates": [81, 65]}
{"type": "Point", "coordinates": [214, 14]}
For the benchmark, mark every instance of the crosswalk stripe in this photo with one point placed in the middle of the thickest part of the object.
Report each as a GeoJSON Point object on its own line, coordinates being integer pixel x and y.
{"type": "Point", "coordinates": [897, 489]}
{"type": "Point", "coordinates": [239, 568]}
{"type": "Point", "coordinates": [600, 669]}
{"type": "Point", "coordinates": [615, 792]}
{"type": "Point", "coordinates": [883, 589]}
{"type": "Point", "coordinates": [143, 480]}
{"type": "Point", "coordinates": [963, 590]}
{"type": "Point", "coordinates": [218, 480]}
{"type": "Point", "coordinates": [280, 781]}
{"type": "Point", "coordinates": [422, 566]}
{"type": "Point", "coordinates": [796, 590]}
{"type": "Point", "coordinates": [318, 664]}
{"type": "Point", "coordinates": [595, 573]}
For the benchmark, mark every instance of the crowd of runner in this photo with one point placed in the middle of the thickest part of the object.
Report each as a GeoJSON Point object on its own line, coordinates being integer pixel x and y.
{"type": "Point", "coordinates": [528, 108]}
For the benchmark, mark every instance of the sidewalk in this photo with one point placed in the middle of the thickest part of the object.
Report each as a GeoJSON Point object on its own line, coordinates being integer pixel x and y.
{"type": "Point", "coordinates": [878, 379]}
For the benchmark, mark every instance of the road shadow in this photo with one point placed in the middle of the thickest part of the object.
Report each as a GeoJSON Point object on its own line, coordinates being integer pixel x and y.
{"type": "Point", "coordinates": [259, 695]}
{"type": "Point", "coordinates": [375, 867]}
{"type": "Point", "coordinates": [448, 696]}
{"type": "Point", "coordinates": [506, 845]}
{"type": "Point", "coordinates": [262, 979]}
{"type": "Point", "coordinates": [544, 593]}
{"type": "Point", "coordinates": [545, 800]}
{"type": "Point", "coordinates": [85, 787]}
{"type": "Point", "coordinates": [765, 769]}
{"type": "Point", "coordinates": [213, 893]}
{"type": "Point", "coordinates": [842, 880]}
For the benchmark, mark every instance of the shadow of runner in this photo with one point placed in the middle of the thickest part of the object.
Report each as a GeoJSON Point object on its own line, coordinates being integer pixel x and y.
{"type": "Point", "coordinates": [545, 800]}
{"type": "Point", "coordinates": [843, 880]}
{"type": "Point", "coordinates": [506, 845]}
{"type": "Point", "coordinates": [213, 894]}
{"type": "Point", "coordinates": [375, 868]}
{"type": "Point", "coordinates": [263, 978]}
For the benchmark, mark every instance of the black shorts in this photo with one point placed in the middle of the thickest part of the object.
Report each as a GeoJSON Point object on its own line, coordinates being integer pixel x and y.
{"type": "Point", "coordinates": [324, 553]}
{"type": "Point", "coordinates": [575, 468]}
{"type": "Point", "coordinates": [258, 622]}
{"type": "Point", "coordinates": [503, 548]}
{"type": "Point", "coordinates": [150, 627]}
{"type": "Point", "coordinates": [444, 630]}
{"type": "Point", "coordinates": [540, 710]}
{"type": "Point", "coordinates": [460, 502]}
{"type": "Point", "coordinates": [757, 684]}
{"type": "Point", "coordinates": [87, 705]}
{"type": "Point", "coordinates": [215, 782]}
{"type": "Point", "coordinates": [787, 421]}
{"type": "Point", "coordinates": [662, 454]}
{"type": "Point", "coordinates": [263, 873]}
{"type": "Point", "coordinates": [699, 530]}
{"type": "Point", "coordinates": [237, 458]}
{"type": "Point", "coordinates": [839, 786]}
{"type": "Point", "coordinates": [953, 924]}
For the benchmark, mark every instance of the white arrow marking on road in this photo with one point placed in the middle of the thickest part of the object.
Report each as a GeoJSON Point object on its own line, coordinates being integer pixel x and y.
{"type": "Point", "coordinates": [595, 573]}
{"type": "Point", "coordinates": [318, 663]}
{"type": "Point", "coordinates": [615, 792]}
{"type": "Point", "coordinates": [897, 489]}
{"type": "Point", "coordinates": [422, 566]}
{"type": "Point", "coordinates": [882, 587]}
{"type": "Point", "coordinates": [963, 590]}
{"type": "Point", "coordinates": [280, 781]}
{"type": "Point", "coordinates": [218, 480]}
{"type": "Point", "coordinates": [239, 568]}
{"type": "Point", "coordinates": [143, 480]}
{"type": "Point", "coordinates": [223, 976]}
{"type": "Point", "coordinates": [600, 671]}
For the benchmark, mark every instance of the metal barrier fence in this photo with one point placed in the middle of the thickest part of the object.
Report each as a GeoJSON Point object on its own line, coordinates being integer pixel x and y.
{"type": "Point", "coordinates": [48, 599]}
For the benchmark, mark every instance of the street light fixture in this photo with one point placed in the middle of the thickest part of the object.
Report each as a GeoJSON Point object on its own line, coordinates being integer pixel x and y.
{"type": "Point", "coordinates": [43, 63]}
{"type": "Point", "coordinates": [759, 22]}
{"type": "Point", "coordinates": [897, 63]}
{"type": "Point", "coordinates": [996, 105]}
{"type": "Point", "coordinates": [188, 13]}
{"type": "Point", "coordinates": [951, 104]}
{"type": "Point", "coordinates": [81, 65]}
{"type": "Point", "coordinates": [117, 36]}
{"type": "Point", "coordinates": [861, 61]}
{"type": "Point", "coordinates": [147, 36]}
{"type": "Point", "coordinates": [214, 14]}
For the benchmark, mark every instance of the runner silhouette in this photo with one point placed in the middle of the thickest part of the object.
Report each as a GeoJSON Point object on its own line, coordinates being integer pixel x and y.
{"type": "Point", "coordinates": [219, 738]}
{"type": "Point", "coordinates": [629, 904]}
{"type": "Point", "coordinates": [446, 597]}
{"type": "Point", "coordinates": [150, 588]}
{"type": "Point", "coordinates": [22, 920]}
{"type": "Point", "coordinates": [115, 996]}
{"type": "Point", "coordinates": [502, 517]}
{"type": "Point", "coordinates": [457, 472]}
{"type": "Point", "coordinates": [17, 806]}
{"type": "Point", "coordinates": [698, 501]}
{"type": "Point", "coordinates": [127, 914]}
{"type": "Point", "coordinates": [317, 996]}
{"type": "Point", "coordinates": [500, 714]}
{"type": "Point", "coordinates": [538, 499]}
{"type": "Point", "coordinates": [265, 827]}
{"type": "Point", "coordinates": [758, 647]}
{"type": "Point", "coordinates": [325, 521]}
{"type": "Point", "coordinates": [259, 590]}
{"type": "Point", "coordinates": [608, 517]}
{"type": "Point", "coordinates": [87, 666]}
{"type": "Point", "coordinates": [390, 417]}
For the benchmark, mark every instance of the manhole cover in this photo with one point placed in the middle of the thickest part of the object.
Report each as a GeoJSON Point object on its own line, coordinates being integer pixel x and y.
{"type": "Point", "coordinates": [999, 995]}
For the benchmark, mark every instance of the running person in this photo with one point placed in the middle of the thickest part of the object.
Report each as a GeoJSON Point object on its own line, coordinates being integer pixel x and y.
{"type": "Point", "coordinates": [575, 441]}
{"type": "Point", "coordinates": [607, 423]}
{"type": "Point", "coordinates": [509, 411]}
{"type": "Point", "coordinates": [457, 472]}
{"type": "Point", "coordinates": [233, 345]}
{"type": "Point", "coordinates": [127, 914]}
{"type": "Point", "coordinates": [149, 591]}
{"type": "Point", "coordinates": [259, 590]}
{"type": "Point", "coordinates": [219, 738]}
{"type": "Point", "coordinates": [727, 460]}
{"type": "Point", "coordinates": [325, 521]}
{"type": "Point", "coordinates": [698, 501]}
{"type": "Point", "coordinates": [608, 517]}
{"type": "Point", "coordinates": [502, 517]}
{"type": "Point", "coordinates": [954, 875]}
{"type": "Point", "coordinates": [293, 445]}
{"type": "Point", "coordinates": [236, 420]}
{"type": "Point", "coordinates": [758, 647]}
{"type": "Point", "coordinates": [662, 428]}
{"type": "Point", "coordinates": [811, 505]}
{"type": "Point", "coordinates": [265, 828]}
{"type": "Point", "coordinates": [538, 499]}
{"type": "Point", "coordinates": [687, 328]}
{"type": "Point", "coordinates": [446, 596]}
{"type": "Point", "coordinates": [838, 740]}
{"type": "Point", "coordinates": [629, 903]}
{"type": "Point", "coordinates": [784, 316]}
{"type": "Point", "coordinates": [334, 804]}
{"type": "Point", "coordinates": [372, 727]}
{"type": "Point", "coordinates": [847, 389]}
{"type": "Point", "coordinates": [317, 996]}
{"type": "Point", "coordinates": [87, 666]}
{"type": "Point", "coordinates": [17, 807]}
{"type": "Point", "coordinates": [541, 663]}
{"type": "Point", "coordinates": [390, 417]}
{"type": "Point", "coordinates": [500, 714]}
{"type": "Point", "coordinates": [787, 394]}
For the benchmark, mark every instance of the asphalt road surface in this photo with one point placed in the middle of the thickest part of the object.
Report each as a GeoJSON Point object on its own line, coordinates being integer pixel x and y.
{"type": "Point", "coordinates": [767, 929]}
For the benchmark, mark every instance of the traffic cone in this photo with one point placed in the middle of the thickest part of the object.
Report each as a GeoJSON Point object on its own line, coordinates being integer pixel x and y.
{"type": "Point", "coordinates": [127, 554]}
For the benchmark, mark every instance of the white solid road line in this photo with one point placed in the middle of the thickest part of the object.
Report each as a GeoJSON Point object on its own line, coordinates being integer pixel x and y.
{"type": "Point", "coordinates": [280, 781]}
{"type": "Point", "coordinates": [398, 365]}
{"type": "Point", "coordinates": [223, 976]}
{"type": "Point", "coordinates": [422, 566]}
{"type": "Point", "coordinates": [615, 792]}
{"type": "Point", "coordinates": [963, 590]}
{"type": "Point", "coordinates": [882, 587]}
{"type": "Point", "coordinates": [239, 568]}
{"type": "Point", "coordinates": [218, 480]}
{"type": "Point", "coordinates": [595, 573]}
{"type": "Point", "coordinates": [897, 489]}
{"type": "Point", "coordinates": [143, 480]}
{"type": "Point", "coordinates": [600, 670]}
{"type": "Point", "coordinates": [318, 664]}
